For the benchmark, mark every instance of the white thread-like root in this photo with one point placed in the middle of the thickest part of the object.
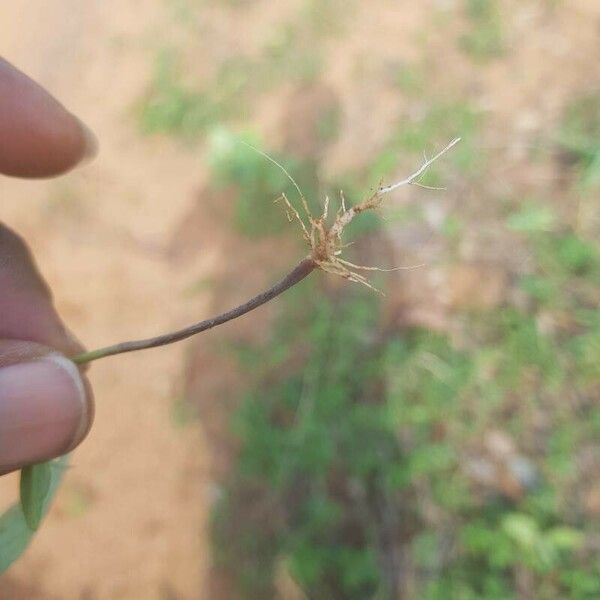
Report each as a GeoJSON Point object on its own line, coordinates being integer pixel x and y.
{"type": "Point", "coordinates": [412, 178]}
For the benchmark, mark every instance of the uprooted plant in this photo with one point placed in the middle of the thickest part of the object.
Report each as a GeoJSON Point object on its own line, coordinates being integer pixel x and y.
{"type": "Point", "coordinates": [324, 238]}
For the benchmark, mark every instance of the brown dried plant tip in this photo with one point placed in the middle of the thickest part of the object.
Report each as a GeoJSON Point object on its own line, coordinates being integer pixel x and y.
{"type": "Point", "coordinates": [324, 241]}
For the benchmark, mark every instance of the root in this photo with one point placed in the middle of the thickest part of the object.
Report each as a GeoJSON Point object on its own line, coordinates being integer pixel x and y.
{"type": "Point", "coordinates": [325, 240]}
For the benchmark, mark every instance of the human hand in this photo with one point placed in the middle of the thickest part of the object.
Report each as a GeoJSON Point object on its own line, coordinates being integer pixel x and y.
{"type": "Point", "coordinates": [46, 405]}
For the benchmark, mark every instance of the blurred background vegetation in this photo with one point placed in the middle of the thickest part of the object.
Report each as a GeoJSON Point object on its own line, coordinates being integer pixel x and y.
{"type": "Point", "coordinates": [409, 446]}
{"type": "Point", "coordinates": [439, 441]}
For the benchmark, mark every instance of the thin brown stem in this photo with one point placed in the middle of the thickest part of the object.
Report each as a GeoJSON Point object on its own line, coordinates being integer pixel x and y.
{"type": "Point", "coordinates": [304, 268]}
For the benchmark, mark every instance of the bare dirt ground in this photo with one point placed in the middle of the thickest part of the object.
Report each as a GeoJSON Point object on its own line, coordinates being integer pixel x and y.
{"type": "Point", "coordinates": [131, 518]}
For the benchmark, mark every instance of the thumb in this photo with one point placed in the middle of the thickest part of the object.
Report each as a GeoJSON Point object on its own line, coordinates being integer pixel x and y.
{"type": "Point", "coordinates": [46, 406]}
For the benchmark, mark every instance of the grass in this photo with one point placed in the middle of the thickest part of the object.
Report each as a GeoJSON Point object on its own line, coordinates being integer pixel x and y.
{"type": "Point", "coordinates": [410, 79]}
{"type": "Point", "coordinates": [257, 182]}
{"type": "Point", "coordinates": [441, 121]}
{"type": "Point", "coordinates": [579, 136]}
{"type": "Point", "coordinates": [374, 420]}
{"type": "Point", "coordinates": [293, 437]}
{"type": "Point", "coordinates": [484, 40]}
{"type": "Point", "coordinates": [327, 17]}
{"type": "Point", "coordinates": [174, 108]}
{"type": "Point", "coordinates": [291, 53]}
{"type": "Point", "coordinates": [357, 439]}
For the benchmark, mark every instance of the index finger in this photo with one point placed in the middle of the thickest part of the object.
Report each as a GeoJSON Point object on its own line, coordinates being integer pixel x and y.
{"type": "Point", "coordinates": [39, 137]}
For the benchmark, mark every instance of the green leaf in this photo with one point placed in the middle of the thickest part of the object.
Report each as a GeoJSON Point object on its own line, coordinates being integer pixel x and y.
{"type": "Point", "coordinates": [522, 529]}
{"type": "Point", "coordinates": [15, 532]}
{"type": "Point", "coordinates": [565, 538]}
{"type": "Point", "coordinates": [35, 484]}
{"type": "Point", "coordinates": [532, 218]}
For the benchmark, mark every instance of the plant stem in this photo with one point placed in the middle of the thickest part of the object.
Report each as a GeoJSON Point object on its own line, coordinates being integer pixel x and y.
{"type": "Point", "coordinates": [304, 268]}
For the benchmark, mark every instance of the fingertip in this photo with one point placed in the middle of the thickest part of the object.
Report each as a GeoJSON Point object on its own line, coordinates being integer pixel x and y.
{"type": "Point", "coordinates": [46, 407]}
{"type": "Point", "coordinates": [76, 390]}
{"type": "Point", "coordinates": [40, 137]}
{"type": "Point", "coordinates": [90, 143]}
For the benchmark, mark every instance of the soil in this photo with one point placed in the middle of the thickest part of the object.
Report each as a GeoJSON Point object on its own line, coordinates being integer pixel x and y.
{"type": "Point", "coordinates": [123, 241]}
{"type": "Point", "coordinates": [129, 520]}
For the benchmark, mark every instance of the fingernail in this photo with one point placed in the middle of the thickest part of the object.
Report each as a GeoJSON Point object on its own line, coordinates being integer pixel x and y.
{"type": "Point", "coordinates": [43, 410]}
{"type": "Point", "coordinates": [90, 141]}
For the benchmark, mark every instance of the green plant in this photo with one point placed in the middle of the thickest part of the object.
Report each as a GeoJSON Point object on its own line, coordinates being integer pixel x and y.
{"type": "Point", "coordinates": [410, 79]}
{"type": "Point", "coordinates": [256, 182]}
{"type": "Point", "coordinates": [299, 457]}
{"type": "Point", "coordinates": [175, 106]}
{"type": "Point", "coordinates": [172, 107]}
{"type": "Point", "coordinates": [17, 526]}
{"type": "Point", "coordinates": [411, 137]}
{"type": "Point", "coordinates": [355, 438]}
{"type": "Point", "coordinates": [580, 136]}
{"type": "Point", "coordinates": [485, 40]}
